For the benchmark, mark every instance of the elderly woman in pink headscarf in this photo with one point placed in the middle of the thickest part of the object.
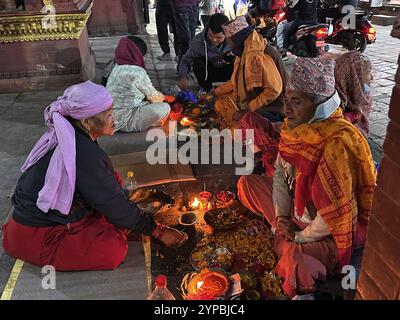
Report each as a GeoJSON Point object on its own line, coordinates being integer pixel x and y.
{"type": "Point", "coordinates": [353, 78]}
{"type": "Point", "coordinates": [137, 104]}
{"type": "Point", "coordinates": [69, 208]}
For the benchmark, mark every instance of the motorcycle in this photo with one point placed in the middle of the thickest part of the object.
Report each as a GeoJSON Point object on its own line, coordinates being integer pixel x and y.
{"type": "Point", "coordinates": [307, 41]}
{"type": "Point", "coordinates": [351, 39]}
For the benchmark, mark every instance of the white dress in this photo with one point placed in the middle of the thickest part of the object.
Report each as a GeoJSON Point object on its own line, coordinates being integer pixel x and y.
{"type": "Point", "coordinates": [137, 105]}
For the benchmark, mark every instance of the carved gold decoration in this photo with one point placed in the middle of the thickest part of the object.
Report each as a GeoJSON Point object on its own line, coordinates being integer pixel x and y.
{"type": "Point", "coordinates": [30, 28]}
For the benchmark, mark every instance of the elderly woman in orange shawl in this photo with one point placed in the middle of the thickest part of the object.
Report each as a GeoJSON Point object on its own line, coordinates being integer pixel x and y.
{"type": "Point", "coordinates": [320, 198]}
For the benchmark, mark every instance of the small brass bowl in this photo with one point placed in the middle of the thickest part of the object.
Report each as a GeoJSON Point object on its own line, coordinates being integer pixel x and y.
{"type": "Point", "coordinates": [188, 218]}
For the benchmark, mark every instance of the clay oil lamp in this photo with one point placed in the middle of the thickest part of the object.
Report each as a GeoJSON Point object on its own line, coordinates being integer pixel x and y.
{"type": "Point", "coordinates": [186, 122]}
{"type": "Point", "coordinates": [195, 204]}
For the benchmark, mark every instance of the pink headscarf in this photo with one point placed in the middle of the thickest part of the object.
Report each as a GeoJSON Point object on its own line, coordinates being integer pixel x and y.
{"type": "Point", "coordinates": [356, 103]}
{"type": "Point", "coordinates": [127, 52]}
{"type": "Point", "coordinates": [80, 101]}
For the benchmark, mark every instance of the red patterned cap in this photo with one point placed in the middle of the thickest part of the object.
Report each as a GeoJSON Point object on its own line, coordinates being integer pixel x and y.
{"type": "Point", "coordinates": [313, 75]}
{"type": "Point", "coordinates": [235, 26]}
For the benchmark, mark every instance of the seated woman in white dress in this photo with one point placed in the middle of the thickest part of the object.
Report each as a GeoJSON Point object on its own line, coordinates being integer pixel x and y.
{"type": "Point", "coordinates": [137, 104]}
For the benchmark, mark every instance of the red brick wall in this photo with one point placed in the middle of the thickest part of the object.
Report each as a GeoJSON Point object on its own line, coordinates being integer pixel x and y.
{"type": "Point", "coordinates": [116, 17]}
{"type": "Point", "coordinates": [380, 269]}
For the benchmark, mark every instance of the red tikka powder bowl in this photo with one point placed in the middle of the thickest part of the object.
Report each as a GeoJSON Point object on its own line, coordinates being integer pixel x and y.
{"type": "Point", "coordinates": [169, 99]}
{"type": "Point", "coordinates": [176, 112]}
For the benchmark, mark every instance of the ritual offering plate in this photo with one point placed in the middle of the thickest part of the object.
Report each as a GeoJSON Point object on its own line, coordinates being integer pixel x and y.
{"type": "Point", "coordinates": [223, 218]}
{"type": "Point", "coordinates": [150, 205]}
{"type": "Point", "coordinates": [206, 285]}
{"type": "Point", "coordinates": [151, 201]}
{"type": "Point", "coordinates": [198, 112]}
{"type": "Point", "coordinates": [211, 256]}
{"type": "Point", "coordinates": [225, 197]}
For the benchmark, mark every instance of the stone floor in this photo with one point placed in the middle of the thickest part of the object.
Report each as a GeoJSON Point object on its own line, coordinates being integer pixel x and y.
{"type": "Point", "coordinates": [21, 115]}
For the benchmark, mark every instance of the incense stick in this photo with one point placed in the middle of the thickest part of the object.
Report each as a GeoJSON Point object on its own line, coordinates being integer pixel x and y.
{"type": "Point", "coordinates": [234, 104]}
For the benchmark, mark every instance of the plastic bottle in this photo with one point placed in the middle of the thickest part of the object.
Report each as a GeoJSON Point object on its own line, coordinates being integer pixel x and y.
{"type": "Point", "coordinates": [161, 291]}
{"type": "Point", "coordinates": [130, 184]}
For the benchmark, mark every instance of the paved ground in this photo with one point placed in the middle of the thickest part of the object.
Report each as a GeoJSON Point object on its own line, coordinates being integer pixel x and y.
{"type": "Point", "coordinates": [21, 115]}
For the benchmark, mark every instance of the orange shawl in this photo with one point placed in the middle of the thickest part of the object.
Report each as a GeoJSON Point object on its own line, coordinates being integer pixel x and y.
{"type": "Point", "coordinates": [255, 69]}
{"type": "Point", "coordinates": [336, 172]}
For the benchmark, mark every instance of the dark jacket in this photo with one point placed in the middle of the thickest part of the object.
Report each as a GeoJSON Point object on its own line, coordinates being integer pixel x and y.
{"type": "Point", "coordinates": [183, 3]}
{"type": "Point", "coordinates": [164, 2]}
{"type": "Point", "coordinates": [96, 190]}
{"type": "Point", "coordinates": [306, 10]}
{"type": "Point", "coordinates": [201, 47]}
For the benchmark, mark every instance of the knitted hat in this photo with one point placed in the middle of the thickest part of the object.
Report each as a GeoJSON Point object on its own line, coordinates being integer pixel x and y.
{"type": "Point", "coordinates": [313, 75]}
{"type": "Point", "coordinates": [234, 26]}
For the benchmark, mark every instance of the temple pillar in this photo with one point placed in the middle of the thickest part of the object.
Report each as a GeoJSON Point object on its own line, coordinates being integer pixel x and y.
{"type": "Point", "coordinates": [380, 270]}
{"type": "Point", "coordinates": [45, 51]}
{"type": "Point", "coordinates": [117, 17]}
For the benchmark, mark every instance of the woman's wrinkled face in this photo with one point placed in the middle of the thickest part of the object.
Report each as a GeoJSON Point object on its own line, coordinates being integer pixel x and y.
{"type": "Point", "coordinates": [102, 124]}
{"type": "Point", "coordinates": [299, 108]}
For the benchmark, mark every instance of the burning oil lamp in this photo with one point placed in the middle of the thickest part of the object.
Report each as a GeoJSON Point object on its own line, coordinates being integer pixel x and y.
{"type": "Point", "coordinates": [199, 284]}
{"type": "Point", "coordinates": [186, 122]}
{"type": "Point", "coordinates": [195, 204]}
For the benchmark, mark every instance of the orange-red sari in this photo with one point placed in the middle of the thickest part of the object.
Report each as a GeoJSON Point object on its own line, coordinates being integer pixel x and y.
{"type": "Point", "coordinates": [336, 172]}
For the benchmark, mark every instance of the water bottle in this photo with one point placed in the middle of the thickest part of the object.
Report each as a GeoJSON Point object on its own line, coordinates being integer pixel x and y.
{"type": "Point", "coordinates": [161, 291]}
{"type": "Point", "coordinates": [130, 184]}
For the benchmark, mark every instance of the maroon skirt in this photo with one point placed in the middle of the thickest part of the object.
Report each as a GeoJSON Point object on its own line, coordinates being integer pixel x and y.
{"type": "Point", "coordinates": [89, 244]}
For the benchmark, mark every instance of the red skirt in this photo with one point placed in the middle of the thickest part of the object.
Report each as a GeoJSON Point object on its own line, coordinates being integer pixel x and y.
{"type": "Point", "coordinates": [89, 244]}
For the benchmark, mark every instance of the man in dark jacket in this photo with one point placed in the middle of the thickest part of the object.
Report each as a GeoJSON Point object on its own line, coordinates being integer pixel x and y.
{"type": "Point", "coordinates": [165, 18]}
{"type": "Point", "coordinates": [186, 16]}
{"type": "Point", "coordinates": [209, 55]}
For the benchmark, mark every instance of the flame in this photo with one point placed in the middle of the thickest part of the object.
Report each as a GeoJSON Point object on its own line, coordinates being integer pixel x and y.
{"type": "Point", "coordinates": [186, 122]}
{"type": "Point", "coordinates": [195, 204]}
{"type": "Point", "coordinates": [199, 284]}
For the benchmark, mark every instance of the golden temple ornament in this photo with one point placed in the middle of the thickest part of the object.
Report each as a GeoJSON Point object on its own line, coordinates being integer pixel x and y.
{"type": "Point", "coordinates": [40, 27]}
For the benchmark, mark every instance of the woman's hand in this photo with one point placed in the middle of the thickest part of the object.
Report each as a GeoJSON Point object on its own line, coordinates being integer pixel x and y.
{"type": "Point", "coordinates": [171, 237]}
{"type": "Point", "coordinates": [286, 228]}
